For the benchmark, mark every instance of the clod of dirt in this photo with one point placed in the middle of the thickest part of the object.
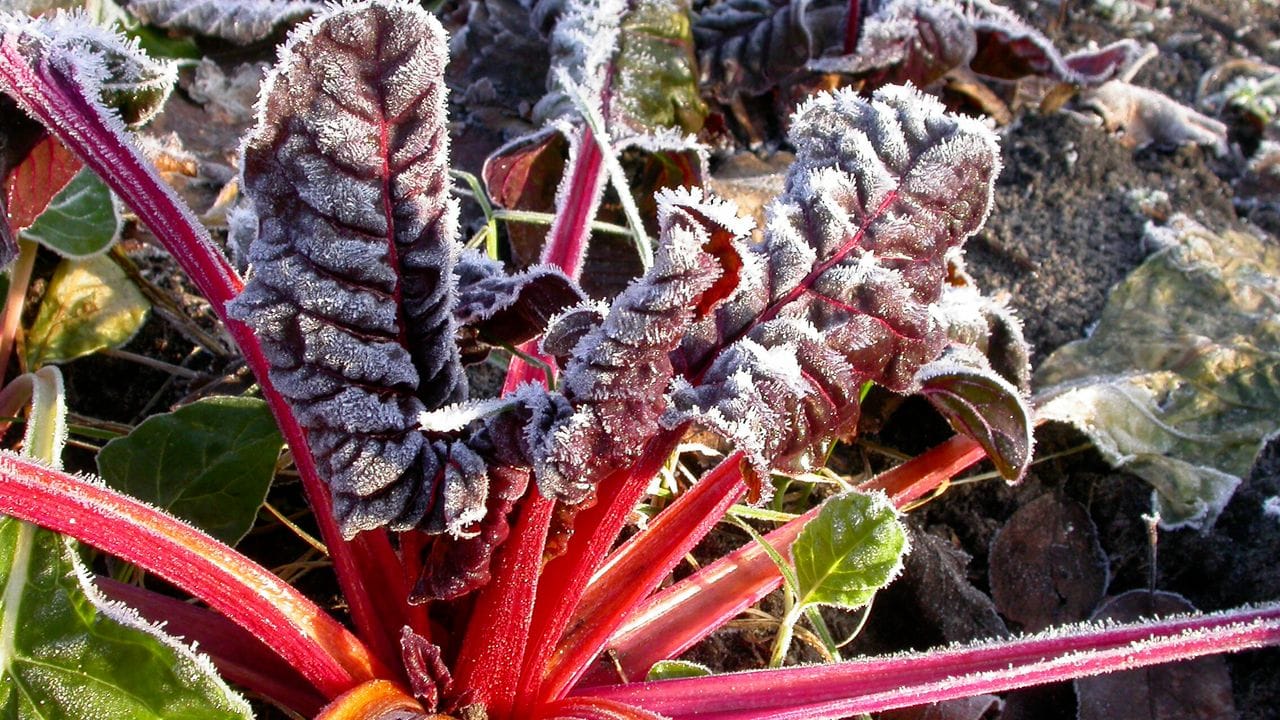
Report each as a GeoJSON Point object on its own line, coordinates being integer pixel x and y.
{"type": "Point", "coordinates": [1046, 566]}
{"type": "Point", "coordinates": [1197, 689]}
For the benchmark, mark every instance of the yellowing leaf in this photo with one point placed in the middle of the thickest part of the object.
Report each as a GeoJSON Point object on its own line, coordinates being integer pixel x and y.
{"type": "Point", "coordinates": [90, 305]}
{"type": "Point", "coordinates": [1180, 382]}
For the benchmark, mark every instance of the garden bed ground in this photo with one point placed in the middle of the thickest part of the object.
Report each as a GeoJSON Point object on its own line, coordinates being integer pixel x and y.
{"type": "Point", "coordinates": [1067, 225]}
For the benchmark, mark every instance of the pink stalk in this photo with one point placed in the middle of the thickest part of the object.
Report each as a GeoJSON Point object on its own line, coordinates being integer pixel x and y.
{"type": "Point", "coordinates": [316, 645]}
{"type": "Point", "coordinates": [565, 578]}
{"type": "Point", "coordinates": [508, 602]}
{"type": "Point", "coordinates": [498, 634]}
{"type": "Point", "coordinates": [239, 656]}
{"type": "Point", "coordinates": [872, 685]}
{"type": "Point", "coordinates": [567, 242]}
{"type": "Point", "coordinates": [637, 568]}
{"type": "Point", "coordinates": [673, 620]}
{"type": "Point", "coordinates": [911, 480]}
{"type": "Point", "coordinates": [58, 101]}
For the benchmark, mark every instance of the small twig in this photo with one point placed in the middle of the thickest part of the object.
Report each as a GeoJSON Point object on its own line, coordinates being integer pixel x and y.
{"type": "Point", "coordinates": [168, 310]}
{"type": "Point", "coordinates": [175, 370]}
{"type": "Point", "coordinates": [296, 530]}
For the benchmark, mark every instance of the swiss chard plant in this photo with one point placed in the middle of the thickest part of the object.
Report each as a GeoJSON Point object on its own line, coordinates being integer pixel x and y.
{"type": "Point", "coordinates": [475, 540]}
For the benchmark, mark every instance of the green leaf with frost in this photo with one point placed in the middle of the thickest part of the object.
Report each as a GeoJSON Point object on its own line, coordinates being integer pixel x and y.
{"type": "Point", "coordinates": [675, 669]}
{"type": "Point", "coordinates": [854, 547]}
{"type": "Point", "coordinates": [209, 463]}
{"type": "Point", "coordinates": [80, 221]}
{"type": "Point", "coordinates": [1180, 382]}
{"type": "Point", "coordinates": [67, 653]}
{"type": "Point", "coordinates": [90, 305]}
{"type": "Point", "coordinates": [657, 83]}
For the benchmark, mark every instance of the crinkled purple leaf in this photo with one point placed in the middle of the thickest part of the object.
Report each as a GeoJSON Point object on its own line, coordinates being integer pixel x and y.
{"type": "Point", "coordinates": [497, 73]}
{"type": "Point", "coordinates": [353, 263]}
{"type": "Point", "coordinates": [978, 402]}
{"type": "Point", "coordinates": [919, 41]}
{"type": "Point", "coordinates": [621, 368]}
{"type": "Point", "coordinates": [752, 46]}
{"type": "Point", "coordinates": [494, 308]}
{"type": "Point", "coordinates": [844, 287]}
{"type": "Point", "coordinates": [915, 41]}
{"type": "Point", "coordinates": [988, 326]}
{"type": "Point", "coordinates": [239, 21]}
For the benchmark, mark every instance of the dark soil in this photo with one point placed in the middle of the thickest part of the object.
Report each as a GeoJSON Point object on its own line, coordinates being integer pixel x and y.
{"type": "Point", "coordinates": [1070, 208]}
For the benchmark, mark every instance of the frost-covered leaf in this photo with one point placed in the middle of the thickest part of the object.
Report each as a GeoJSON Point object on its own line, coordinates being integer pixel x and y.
{"type": "Point", "coordinates": [209, 463]}
{"type": "Point", "coordinates": [458, 565]}
{"type": "Point", "coordinates": [583, 43]}
{"type": "Point", "coordinates": [498, 72]}
{"type": "Point", "coordinates": [854, 547]}
{"type": "Point", "coordinates": [753, 46]}
{"type": "Point", "coordinates": [90, 305]}
{"type": "Point", "coordinates": [495, 308]}
{"type": "Point", "coordinates": [71, 654]}
{"type": "Point", "coordinates": [80, 221]}
{"type": "Point", "coordinates": [978, 402]}
{"type": "Point", "coordinates": [238, 21]}
{"type": "Point", "coordinates": [100, 66]}
{"type": "Point", "coordinates": [844, 287]}
{"type": "Point", "coordinates": [621, 368]}
{"type": "Point", "coordinates": [352, 282]}
{"type": "Point", "coordinates": [1046, 565]}
{"type": "Point", "coordinates": [919, 41]}
{"type": "Point", "coordinates": [1180, 381]}
{"type": "Point", "coordinates": [656, 82]}
{"type": "Point", "coordinates": [1198, 689]}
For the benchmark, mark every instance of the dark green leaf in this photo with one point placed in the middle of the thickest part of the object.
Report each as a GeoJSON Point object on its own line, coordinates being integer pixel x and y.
{"type": "Point", "coordinates": [67, 654]}
{"type": "Point", "coordinates": [209, 463]}
{"type": "Point", "coordinates": [90, 305]}
{"type": "Point", "coordinates": [852, 549]}
{"type": "Point", "coordinates": [80, 221]}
